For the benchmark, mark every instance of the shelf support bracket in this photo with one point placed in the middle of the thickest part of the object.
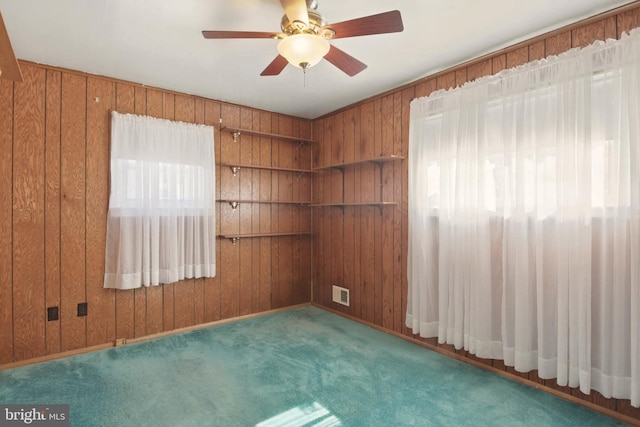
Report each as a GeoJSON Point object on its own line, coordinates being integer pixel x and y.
{"type": "Point", "coordinates": [236, 135]}
{"type": "Point", "coordinates": [234, 240]}
{"type": "Point", "coordinates": [234, 205]}
{"type": "Point", "coordinates": [235, 170]}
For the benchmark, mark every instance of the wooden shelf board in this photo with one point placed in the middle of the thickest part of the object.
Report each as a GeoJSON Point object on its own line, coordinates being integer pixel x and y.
{"type": "Point", "coordinates": [235, 237]}
{"type": "Point", "coordinates": [274, 168]}
{"type": "Point", "coordinates": [356, 204]}
{"type": "Point", "coordinates": [263, 134]}
{"type": "Point", "coordinates": [283, 202]}
{"type": "Point", "coordinates": [377, 160]}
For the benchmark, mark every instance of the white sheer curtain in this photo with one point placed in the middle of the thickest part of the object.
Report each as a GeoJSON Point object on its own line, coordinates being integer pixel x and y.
{"type": "Point", "coordinates": [524, 218]}
{"type": "Point", "coordinates": [161, 219]}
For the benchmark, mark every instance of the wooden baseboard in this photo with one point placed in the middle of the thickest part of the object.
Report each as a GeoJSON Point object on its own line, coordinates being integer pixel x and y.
{"type": "Point", "coordinates": [122, 341]}
{"type": "Point", "coordinates": [606, 411]}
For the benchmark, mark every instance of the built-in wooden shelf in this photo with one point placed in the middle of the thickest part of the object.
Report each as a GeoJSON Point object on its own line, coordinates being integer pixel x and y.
{"type": "Point", "coordinates": [378, 205]}
{"type": "Point", "coordinates": [235, 237]}
{"type": "Point", "coordinates": [375, 160]}
{"type": "Point", "coordinates": [235, 202]}
{"type": "Point", "coordinates": [237, 132]}
{"type": "Point", "coordinates": [236, 167]}
{"type": "Point", "coordinates": [342, 166]}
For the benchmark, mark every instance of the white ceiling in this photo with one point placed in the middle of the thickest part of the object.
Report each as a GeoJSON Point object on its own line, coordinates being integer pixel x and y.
{"type": "Point", "coordinates": [159, 43]}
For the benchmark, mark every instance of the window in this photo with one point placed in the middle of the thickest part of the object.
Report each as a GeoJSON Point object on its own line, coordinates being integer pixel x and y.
{"type": "Point", "coordinates": [161, 219]}
{"type": "Point", "coordinates": [524, 218]}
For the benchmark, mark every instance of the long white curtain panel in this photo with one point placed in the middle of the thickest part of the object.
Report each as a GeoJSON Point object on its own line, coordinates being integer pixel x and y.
{"type": "Point", "coordinates": [524, 217]}
{"type": "Point", "coordinates": [161, 221]}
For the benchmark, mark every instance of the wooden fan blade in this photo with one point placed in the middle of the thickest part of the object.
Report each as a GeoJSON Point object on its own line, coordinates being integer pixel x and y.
{"type": "Point", "coordinates": [276, 66]}
{"type": "Point", "coordinates": [296, 10]}
{"type": "Point", "coordinates": [344, 61]}
{"type": "Point", "coordinates": [237, 35]}
{"type": "Point", "coordinates": [9, 67]}
{"type": "Point", "coordinates": [382, 23]}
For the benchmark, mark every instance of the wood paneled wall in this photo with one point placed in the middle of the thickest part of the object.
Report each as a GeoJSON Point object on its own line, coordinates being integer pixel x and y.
{"type": "Point", "coordinates": [365, 248]}
{"type": "Point", "coordinates": [54, 177]}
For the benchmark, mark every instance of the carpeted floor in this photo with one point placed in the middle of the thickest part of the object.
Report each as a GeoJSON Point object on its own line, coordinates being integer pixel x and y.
{"type": "Point", "coordinates": [300, 367]}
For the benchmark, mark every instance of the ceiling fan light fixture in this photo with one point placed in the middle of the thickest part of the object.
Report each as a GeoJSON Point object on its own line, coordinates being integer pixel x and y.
{"type": "Point", "coordinates": [303, 50]}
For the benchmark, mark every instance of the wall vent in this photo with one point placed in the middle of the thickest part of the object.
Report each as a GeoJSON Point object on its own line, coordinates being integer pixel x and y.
{"type": "Point", "coordinates": [341, 295]}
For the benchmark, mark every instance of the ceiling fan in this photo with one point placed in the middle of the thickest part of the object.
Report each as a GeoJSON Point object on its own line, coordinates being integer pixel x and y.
{"type": "Point", "coordinates": [305, 36]}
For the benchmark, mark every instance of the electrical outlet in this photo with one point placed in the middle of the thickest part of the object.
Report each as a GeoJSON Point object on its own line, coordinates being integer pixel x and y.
{"type": "Point", "coordinates": [52, 313]}
{"type": "Point", "coordinates": [82, 309]}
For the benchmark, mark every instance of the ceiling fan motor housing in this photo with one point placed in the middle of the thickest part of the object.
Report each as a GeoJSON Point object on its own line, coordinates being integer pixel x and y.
{"type": "Point", "coordinates": [317, 25]}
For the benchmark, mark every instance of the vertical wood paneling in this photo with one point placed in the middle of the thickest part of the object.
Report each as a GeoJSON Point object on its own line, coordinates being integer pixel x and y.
{"type": "Point", "coordinates": [101, 302]}
{"type": "Point", "coordinates": [305, 189]}
{"type": "Point", "coordinates": [63, 142]}
{"type": "Point", "coordinates": [212, 304]}
{"type": "Point", "coordinates": [28, 215]}
{"type": "Point", "coordinates": [244, 213]}
{"type": "Point", "coordinates": [318, 285]}
{"type": "Point", "coordinates": [518, 57]}
{"type": "Point", "coordinates": [367, 182]}
{"type": "Point", "coordinates": [379, 248]}
{"type": "Point", "coordinates": [407, 95]}
{"type": "Point", "coordinates": [256, 274]}
{"type": "Point", "coordinates": [386, 215]}
{"type": "Point", "coordinates": [398, 187]}
{"type": "Point", "coordinates": [627, 21]}
{"type": "Point", "coordinates": [52, 205]}
{"type": "Point", "coordinates": [587, 34]}
{"type": "Point", "coordinates": [285, 214]}
{"type": "Point", "coordinates": [377, 216]}
{"type": "Point", "coordinates": [348, 150]}
{"type": "Point", "coordinates": [557, 44]}
{"type": "Point", "coordinates": [446, 81]}
{"type": "Point", "coordinates": [474, 71]}
{"type": "Point", "coordinates": [6, 226]}
{"type": "Point", "coordinates": [537, 50]}
{"type": "Point", "coordinates": [72, 210]}
{"type": "Point", "coordinates": [229, 270]}
{"type": "Point", "coordinates": [265, 261]}
{"type": "Point", "coordinates": [54, 198]}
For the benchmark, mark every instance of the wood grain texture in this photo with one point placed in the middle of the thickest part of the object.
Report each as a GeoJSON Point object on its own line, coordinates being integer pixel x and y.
{"type": "Point", "coordinates": [627, 21]}
{"type": "Point", "coordinates": [586, 35]}
{"type": "Point", "coordinates": [28, 214]}
{"type": "Point", "coordinates": [229, 188]}
{"type": "Point", "coordinates": [101, 315]}
{"type": "Point", "coordinates": [72, 210]}
{"type": "Point", "coordinates": [557, 44]}
{"type": "Point", "coordinates": [518, 57]}
{"type": "Point", "coordinates": [6, 226]}
{"type": "Point", "coordinates": [244, 213]}
{"type": "Point", "coordinates": [212, 285]}
{"type": "Point", "coordinates": [52, 206]}
{"type": "Point", "coordinates": [381, 244]}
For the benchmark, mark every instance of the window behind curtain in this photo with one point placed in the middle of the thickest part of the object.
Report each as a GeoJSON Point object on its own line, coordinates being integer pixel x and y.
{"type": "Point", "coordinates": [161, 219]}
{"type": "Point", "coordinates": [524, 218]}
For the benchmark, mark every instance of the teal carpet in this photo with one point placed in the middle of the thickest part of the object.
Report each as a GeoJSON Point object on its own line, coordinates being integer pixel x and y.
{"type": "Point", "coordinates": [300, 367]}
